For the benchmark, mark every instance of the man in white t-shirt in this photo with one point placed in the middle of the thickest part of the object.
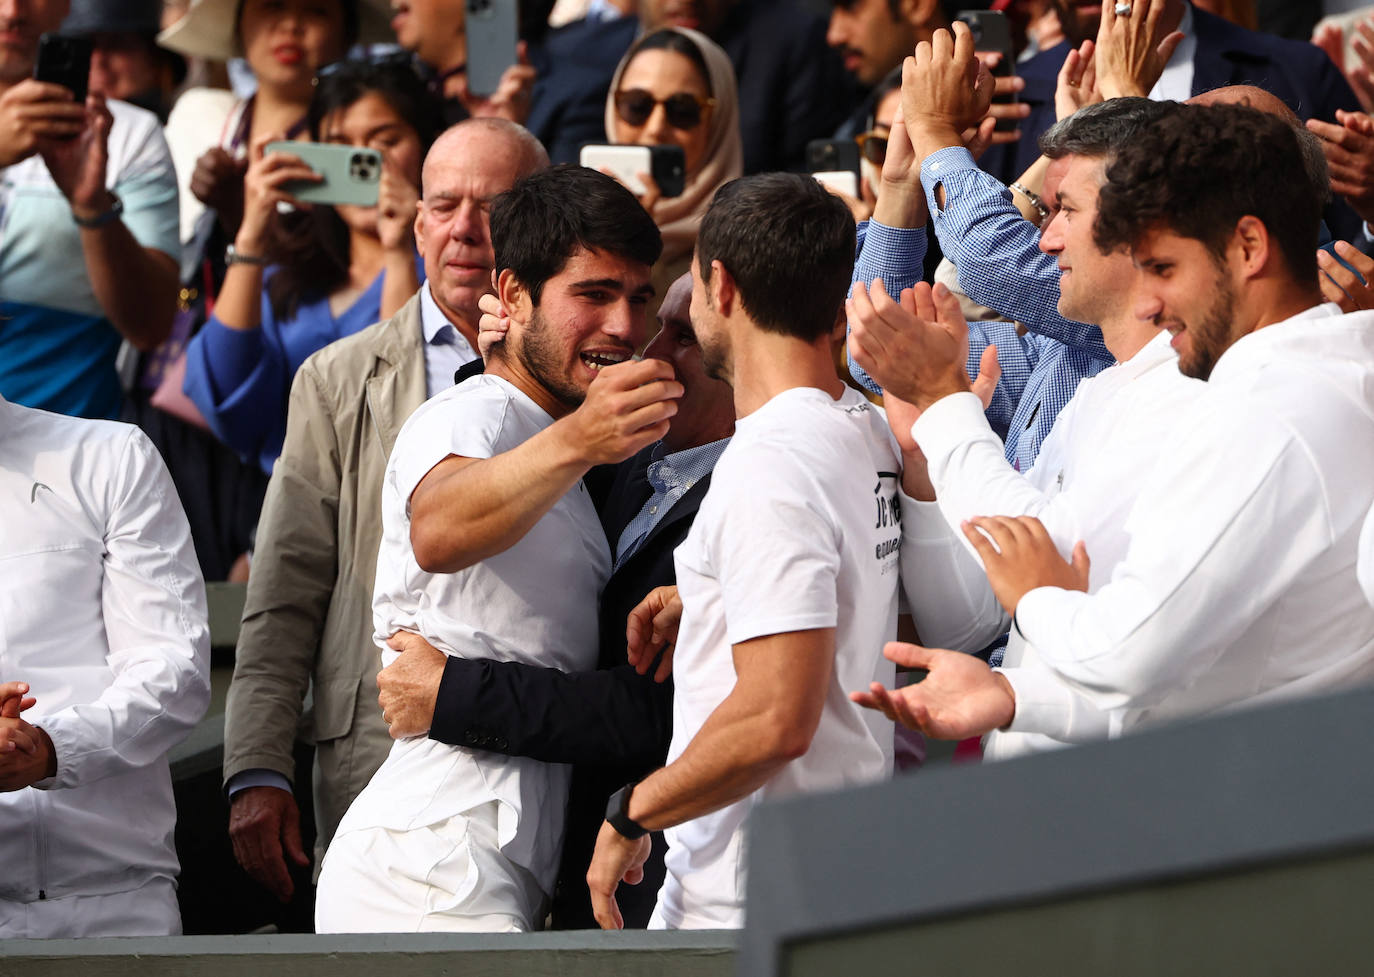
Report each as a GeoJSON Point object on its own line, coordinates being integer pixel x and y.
{"type": "Point", "coordinates": [491, 548]}
{"type": "Point", "coordinates": [789, 572]}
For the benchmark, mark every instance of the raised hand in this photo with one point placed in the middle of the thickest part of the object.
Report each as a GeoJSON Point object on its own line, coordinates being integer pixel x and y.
{"type": "Point", "coordinates": [1004, 108]}
{"type": "Point", "coordinates": [34, 113]}
{"type": "Point", "coordinates": [511, 100]}
{"type": "Point", "coordinates": [945, 90]}
{"type": "Point", "coordinates": [1132, 49]}
{"type": "Point", "coordinates": [217, 182]}
{"type": "Point", "coordinates": [397, 203]}
{"type": "Point", "coordinates": [1076, 86]}
{"type": "Point", "coordinates": [264, 186]}
{"type": "Point", "coordinates": [1339, 284]}
{"type": "Point", "coordinates": [960, 696]}
{"type": "Point", "coordinates": [1331, 39]}
{"type": "Point", "coordinates": [1019, 556]}
{"type": "Point", "coordinates": [916, 349]}
{"type": "Point", "coordinates": [78, 165]}
{"type": "Point", "coordinates": [1349, 148]}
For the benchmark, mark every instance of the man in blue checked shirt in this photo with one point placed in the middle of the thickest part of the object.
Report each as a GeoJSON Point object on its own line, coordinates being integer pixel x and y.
{"type": "Point", "coordinates": [997, 251]}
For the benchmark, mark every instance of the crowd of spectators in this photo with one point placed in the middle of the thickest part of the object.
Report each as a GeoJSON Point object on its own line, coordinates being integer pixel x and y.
{"type": "Point", "coordinates": [575, 510]}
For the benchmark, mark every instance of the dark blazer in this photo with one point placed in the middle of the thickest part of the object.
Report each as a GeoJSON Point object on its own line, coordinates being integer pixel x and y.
{"type": "Point", "coordinates": [1298, 72]}
{"type": "Point", "coordinates": [612, 724]}
{"type": "Point", "coordinates": [575, 65]}
{"type": "Point", "coordinates": [792, 85]}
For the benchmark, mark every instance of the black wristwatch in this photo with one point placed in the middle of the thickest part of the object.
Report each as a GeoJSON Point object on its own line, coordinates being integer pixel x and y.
{"type": "Point", "coordinates": [618, 814]}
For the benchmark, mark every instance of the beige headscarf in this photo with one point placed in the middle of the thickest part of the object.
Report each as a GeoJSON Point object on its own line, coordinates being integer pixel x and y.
{"type": "Point", "coordinates": [679, 218]}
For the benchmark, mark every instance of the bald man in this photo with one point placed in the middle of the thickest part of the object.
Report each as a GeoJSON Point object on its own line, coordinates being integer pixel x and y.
{"type": "Point", "coordinates": [307, 622]}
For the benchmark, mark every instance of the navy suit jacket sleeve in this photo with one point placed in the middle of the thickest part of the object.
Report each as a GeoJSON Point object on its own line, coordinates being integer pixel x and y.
{"type": "Point", "coordinates": [612, 716]}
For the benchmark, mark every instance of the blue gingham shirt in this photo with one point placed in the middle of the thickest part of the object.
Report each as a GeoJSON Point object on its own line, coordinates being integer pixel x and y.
{"type": "Point", "coordinates": [671, 477]}
{"type": "Point", "coordinates": [1000, 265]}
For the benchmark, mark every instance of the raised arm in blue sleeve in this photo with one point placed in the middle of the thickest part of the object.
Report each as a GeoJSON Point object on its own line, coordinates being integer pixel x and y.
{"type": "Point", "coordinates": [997, 251]}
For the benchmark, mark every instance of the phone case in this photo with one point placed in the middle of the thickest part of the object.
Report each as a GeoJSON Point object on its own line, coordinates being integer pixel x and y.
{"type": "Point", "coordinates": [352, 174]}
{"type": "Point", "coordinates": [492, 33]}
{"type": "Point", "coordinates": [666, 164]}
{"type": "Point", "coordinates": [64, 61]}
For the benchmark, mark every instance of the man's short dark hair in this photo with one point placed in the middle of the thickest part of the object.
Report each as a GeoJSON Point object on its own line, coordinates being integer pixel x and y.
{"type": "Point", "coordinates": [539, 223]}
{"type": "Point", "coordinates": [1198, 170]}
{"type": "Point", "coordinates": [1100, 130]}
{"type": "Point", "coordinates": [789, 245]}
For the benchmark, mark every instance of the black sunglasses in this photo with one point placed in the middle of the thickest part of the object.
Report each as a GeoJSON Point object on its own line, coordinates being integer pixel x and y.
{"type": "Point", "coordinates": [683, 109]}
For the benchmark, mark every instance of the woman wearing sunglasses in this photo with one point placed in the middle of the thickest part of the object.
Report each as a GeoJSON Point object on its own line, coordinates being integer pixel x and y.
{"type": "Point", "coordinates": [676, 87]}
{"type": "Point", "coordinates": [299, 280]}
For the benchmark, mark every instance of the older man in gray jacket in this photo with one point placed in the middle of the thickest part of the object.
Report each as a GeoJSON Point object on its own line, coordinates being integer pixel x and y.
{"type": "Point", "coordinates": [308, 617]}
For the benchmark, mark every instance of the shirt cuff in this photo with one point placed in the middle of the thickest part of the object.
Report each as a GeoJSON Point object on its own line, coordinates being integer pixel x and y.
{"type": "Point", "coordinates": [922, 522]}
{"type": "Point", "coordinates": [256, 777]}
{"type": "Point", "coordinates": [234, 353]}
{"type": "Point", "coordinates": [948, 423]}
{"type": "Point", "coordinates": [459, 687]}
{"type": "Point", "coordinates": [937, 167]}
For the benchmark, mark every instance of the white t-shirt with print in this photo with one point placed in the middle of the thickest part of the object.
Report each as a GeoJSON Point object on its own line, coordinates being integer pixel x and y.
{"type": "Point", "coordinates": [799, 530]}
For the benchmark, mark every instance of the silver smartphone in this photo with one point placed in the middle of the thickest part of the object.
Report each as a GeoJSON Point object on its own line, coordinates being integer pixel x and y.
{"type": "Point", "coordinates": [351, 174]}
{"type": "Point", "coordinates": [492, 32]}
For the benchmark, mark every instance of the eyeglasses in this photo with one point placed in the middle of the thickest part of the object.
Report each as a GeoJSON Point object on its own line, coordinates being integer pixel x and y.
{"type": "Point", "coordinates": [682, 109]}
{"type": "Point", "coordinates": [872, 146]}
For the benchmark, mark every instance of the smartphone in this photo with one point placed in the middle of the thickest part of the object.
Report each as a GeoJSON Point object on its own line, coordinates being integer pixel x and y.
{"type": "Point", "coordinates": [666, 164]}
{"type": "Point", "coordinates": [992, 32]}
{"type": "Point", "coordinates": [492, 33]}
{"type": "Point", "coordinates": [352, 174]}
{"type": "Point", "coordinates": [826, 155]}
{"type": "Point", "coordinates": [844, 181]}
{"type": "Point", "coordinates": [64, 61]}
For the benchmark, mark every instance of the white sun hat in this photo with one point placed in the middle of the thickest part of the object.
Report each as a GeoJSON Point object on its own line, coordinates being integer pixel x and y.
{"type": "Point", "coordinates": [208, 30]}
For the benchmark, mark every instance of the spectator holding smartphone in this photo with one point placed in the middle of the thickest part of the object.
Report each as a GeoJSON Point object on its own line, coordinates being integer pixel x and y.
{"type": "Point", "coordinates": [676, 87]}
{"type": "Point", "coordinates": [297, 281]}
{"type": "Point", "coordinates": [86, 257]}
{"type": "Point", "coordinates": [284, 42]}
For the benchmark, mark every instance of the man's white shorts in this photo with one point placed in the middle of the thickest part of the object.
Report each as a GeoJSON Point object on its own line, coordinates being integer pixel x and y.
{"type": "Point", "coordinates": [447, 877]}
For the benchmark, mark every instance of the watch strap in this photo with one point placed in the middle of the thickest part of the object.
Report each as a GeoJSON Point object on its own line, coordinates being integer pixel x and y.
{"type": "Point", "coordinates": [618, 814]}
{"type": "Point", "coordinates": [100, 220]}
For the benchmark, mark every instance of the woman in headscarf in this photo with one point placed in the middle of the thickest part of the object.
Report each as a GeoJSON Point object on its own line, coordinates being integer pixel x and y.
{"type": "Point", "coordinates": [676, 87]}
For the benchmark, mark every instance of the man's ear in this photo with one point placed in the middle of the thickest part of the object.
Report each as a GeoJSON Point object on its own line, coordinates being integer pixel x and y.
{"type": "Point", "coordinates": [514, 296]}
{"type": "Point", "coordinates": [922, 14]}
{"type": "Point", "coordinates": [1251, 247]}
{"type": "Point", "coordinates": [724, 294]}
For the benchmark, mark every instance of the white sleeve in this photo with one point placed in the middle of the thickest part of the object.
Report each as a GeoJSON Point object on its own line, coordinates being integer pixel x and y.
{"type": "Point", "coordinates": [947, 592]}
{"type": "Point", "coordinates": [1204, 560]}
{"type": "Point", "coordinates": [971, 474]}
{"type": "Point", "coordinates": [153, 602]}
{"type": "Point", "coordinates": [466, 423]}
{"type": "Point", "coordinates": [1044, 702]}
